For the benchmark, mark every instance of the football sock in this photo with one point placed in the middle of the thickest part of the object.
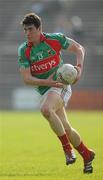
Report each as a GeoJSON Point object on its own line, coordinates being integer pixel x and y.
{"type": "Point", "coordinates": [65, 143]}
{"type": "Point", "coordinates": [83, 151]}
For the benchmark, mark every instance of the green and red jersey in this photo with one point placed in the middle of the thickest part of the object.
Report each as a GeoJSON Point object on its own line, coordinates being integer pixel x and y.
{"type": "Point", "coordinates": [45, 58]}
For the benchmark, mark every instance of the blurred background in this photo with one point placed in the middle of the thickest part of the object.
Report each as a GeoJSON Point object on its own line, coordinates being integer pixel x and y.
{"type": "Point", "coordinates": [81, 20]}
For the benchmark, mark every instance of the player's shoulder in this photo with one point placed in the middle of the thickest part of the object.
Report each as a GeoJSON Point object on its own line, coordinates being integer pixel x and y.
{"type": "Point", "coordinates": [57, 36]}
{"type": "Point", "coordinates": [22, 48]}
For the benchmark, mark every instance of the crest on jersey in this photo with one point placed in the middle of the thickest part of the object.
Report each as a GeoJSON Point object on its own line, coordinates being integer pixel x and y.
{"type": "Point", "coordinates": [40, 55]}
{"type": "Point", "coordinates": [50, 52]}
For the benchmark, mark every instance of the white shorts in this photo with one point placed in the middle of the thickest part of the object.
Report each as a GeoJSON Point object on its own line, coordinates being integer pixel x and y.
{"type": "Point", "coordinates": [65, 93]}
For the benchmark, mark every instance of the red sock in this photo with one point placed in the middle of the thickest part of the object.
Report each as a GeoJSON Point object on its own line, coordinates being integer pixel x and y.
{"type": "Point", "coordinates": [65, 143]}
{"type": "Point", "coordinates": [83, 151]}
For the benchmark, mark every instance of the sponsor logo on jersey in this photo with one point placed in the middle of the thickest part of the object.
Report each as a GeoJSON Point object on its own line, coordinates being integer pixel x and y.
{"type": "Point", "coordinates": [44, 65]}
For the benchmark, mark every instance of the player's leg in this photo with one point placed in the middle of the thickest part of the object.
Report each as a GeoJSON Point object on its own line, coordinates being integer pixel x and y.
{"type": "Point", "coordinates": [76, 141]}
{"type": "Point", "coordinates": [72, 134]}
{"type": "Point", "coordinates": [49, 105]}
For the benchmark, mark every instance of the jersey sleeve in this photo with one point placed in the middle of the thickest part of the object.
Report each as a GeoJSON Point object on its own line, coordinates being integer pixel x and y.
{"type": "Point", "coordinates": [22, 60]}
{"type": "Point", "coordinates": [64, 40]}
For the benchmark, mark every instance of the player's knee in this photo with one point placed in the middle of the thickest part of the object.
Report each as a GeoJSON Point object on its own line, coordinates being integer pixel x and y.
{"type": "Point", "coordinates": [45, 110]}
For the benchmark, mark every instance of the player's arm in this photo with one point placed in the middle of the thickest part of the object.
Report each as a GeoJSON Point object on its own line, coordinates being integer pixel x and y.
{"type": "Point", "coordinates": [73, 47]}
{"type": "Point", "coordinates": [31, 80]}
{"type": "Point", "coordinates": [79, 51]}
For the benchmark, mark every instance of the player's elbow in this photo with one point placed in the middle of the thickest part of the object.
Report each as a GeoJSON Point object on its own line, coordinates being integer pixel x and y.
{"type": "Point", "coordinates": [76, 48]}
{"type": "Point", "coordinates": [26, 75]}
{"type": "Point", "coordinates": [26, 80]}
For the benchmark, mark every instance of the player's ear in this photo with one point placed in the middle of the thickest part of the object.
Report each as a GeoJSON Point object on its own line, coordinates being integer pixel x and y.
{"type": "Point", "coordinates": [40, 28]}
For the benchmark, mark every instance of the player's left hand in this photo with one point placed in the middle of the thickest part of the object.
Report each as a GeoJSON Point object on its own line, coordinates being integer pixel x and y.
{"type": "Point", "coordinates": [79, 70]}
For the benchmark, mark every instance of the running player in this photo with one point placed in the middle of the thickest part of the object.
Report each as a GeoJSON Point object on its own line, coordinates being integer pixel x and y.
{"type": "Point", "coordinates": [39, 59]}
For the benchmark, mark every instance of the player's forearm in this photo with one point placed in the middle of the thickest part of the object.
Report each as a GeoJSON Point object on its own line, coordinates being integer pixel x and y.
{"type": "Point", "coordinates": [78, 50]}
{"type": "Point", "coordinates": [80, 56]}
{"type": "Point", "coordinates": [30, 80]}
{"type": "Point", "coordinates": [35, 81]}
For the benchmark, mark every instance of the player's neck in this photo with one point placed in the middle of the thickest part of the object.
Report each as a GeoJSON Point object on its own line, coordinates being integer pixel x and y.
{"type": "Point", "coordinates": [35, 43]}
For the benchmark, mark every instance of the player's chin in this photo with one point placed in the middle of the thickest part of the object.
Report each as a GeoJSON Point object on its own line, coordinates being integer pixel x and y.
{"type": "Point", "coordinates": [30, 39]}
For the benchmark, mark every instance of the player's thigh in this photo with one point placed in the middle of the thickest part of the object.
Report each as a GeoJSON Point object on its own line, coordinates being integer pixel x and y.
{"type": "Point", "coordinates": [52, 101]}
{"type": "Point", "coordinates": [63, 117]}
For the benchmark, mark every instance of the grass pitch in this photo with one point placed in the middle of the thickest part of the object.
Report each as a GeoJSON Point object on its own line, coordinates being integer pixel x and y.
{"type": "Point", "coordinates": [29, 150]}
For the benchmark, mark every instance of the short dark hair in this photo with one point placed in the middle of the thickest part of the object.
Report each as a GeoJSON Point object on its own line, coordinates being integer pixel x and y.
{"type": "Point", "coordinates": [31, 18]}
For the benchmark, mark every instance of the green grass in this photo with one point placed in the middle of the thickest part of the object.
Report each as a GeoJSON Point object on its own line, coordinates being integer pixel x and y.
{"type": "Point", "coordinates": [29, 150]}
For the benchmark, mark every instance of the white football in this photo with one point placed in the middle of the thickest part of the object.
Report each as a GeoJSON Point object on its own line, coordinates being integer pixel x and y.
{"type": "Point", "coordinates": [67, 74]}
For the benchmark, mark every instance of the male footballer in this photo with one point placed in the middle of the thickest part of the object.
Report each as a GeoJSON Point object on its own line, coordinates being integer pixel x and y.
{"type": "Point", "coordinates": [39, 59]}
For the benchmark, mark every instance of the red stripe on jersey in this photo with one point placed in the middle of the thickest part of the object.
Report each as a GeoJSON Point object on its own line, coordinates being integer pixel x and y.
{"type": "Point", "coordinates": [54, 43]}
{"type": "Point", "coordinates": [28, 50]}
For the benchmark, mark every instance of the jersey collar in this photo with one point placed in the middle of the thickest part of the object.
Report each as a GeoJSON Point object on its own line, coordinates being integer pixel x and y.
{"type": "Point", "coordinates": [42, 37]}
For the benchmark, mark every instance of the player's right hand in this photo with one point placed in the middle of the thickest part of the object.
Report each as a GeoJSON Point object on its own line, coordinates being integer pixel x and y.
{"type": "Point", "coordinates": [51, 83]}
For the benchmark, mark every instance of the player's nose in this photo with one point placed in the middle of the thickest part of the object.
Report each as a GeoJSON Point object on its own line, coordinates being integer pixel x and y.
{"type": "Point", "coordinates": [27, 32]}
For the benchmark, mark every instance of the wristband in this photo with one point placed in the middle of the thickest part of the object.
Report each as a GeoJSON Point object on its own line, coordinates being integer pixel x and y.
{"type": "Point", "coordinates": [79, 65]}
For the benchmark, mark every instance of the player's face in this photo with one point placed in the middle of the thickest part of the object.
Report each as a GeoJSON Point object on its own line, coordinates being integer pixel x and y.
{"type": "Point", "coordinates": [32, 33]}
